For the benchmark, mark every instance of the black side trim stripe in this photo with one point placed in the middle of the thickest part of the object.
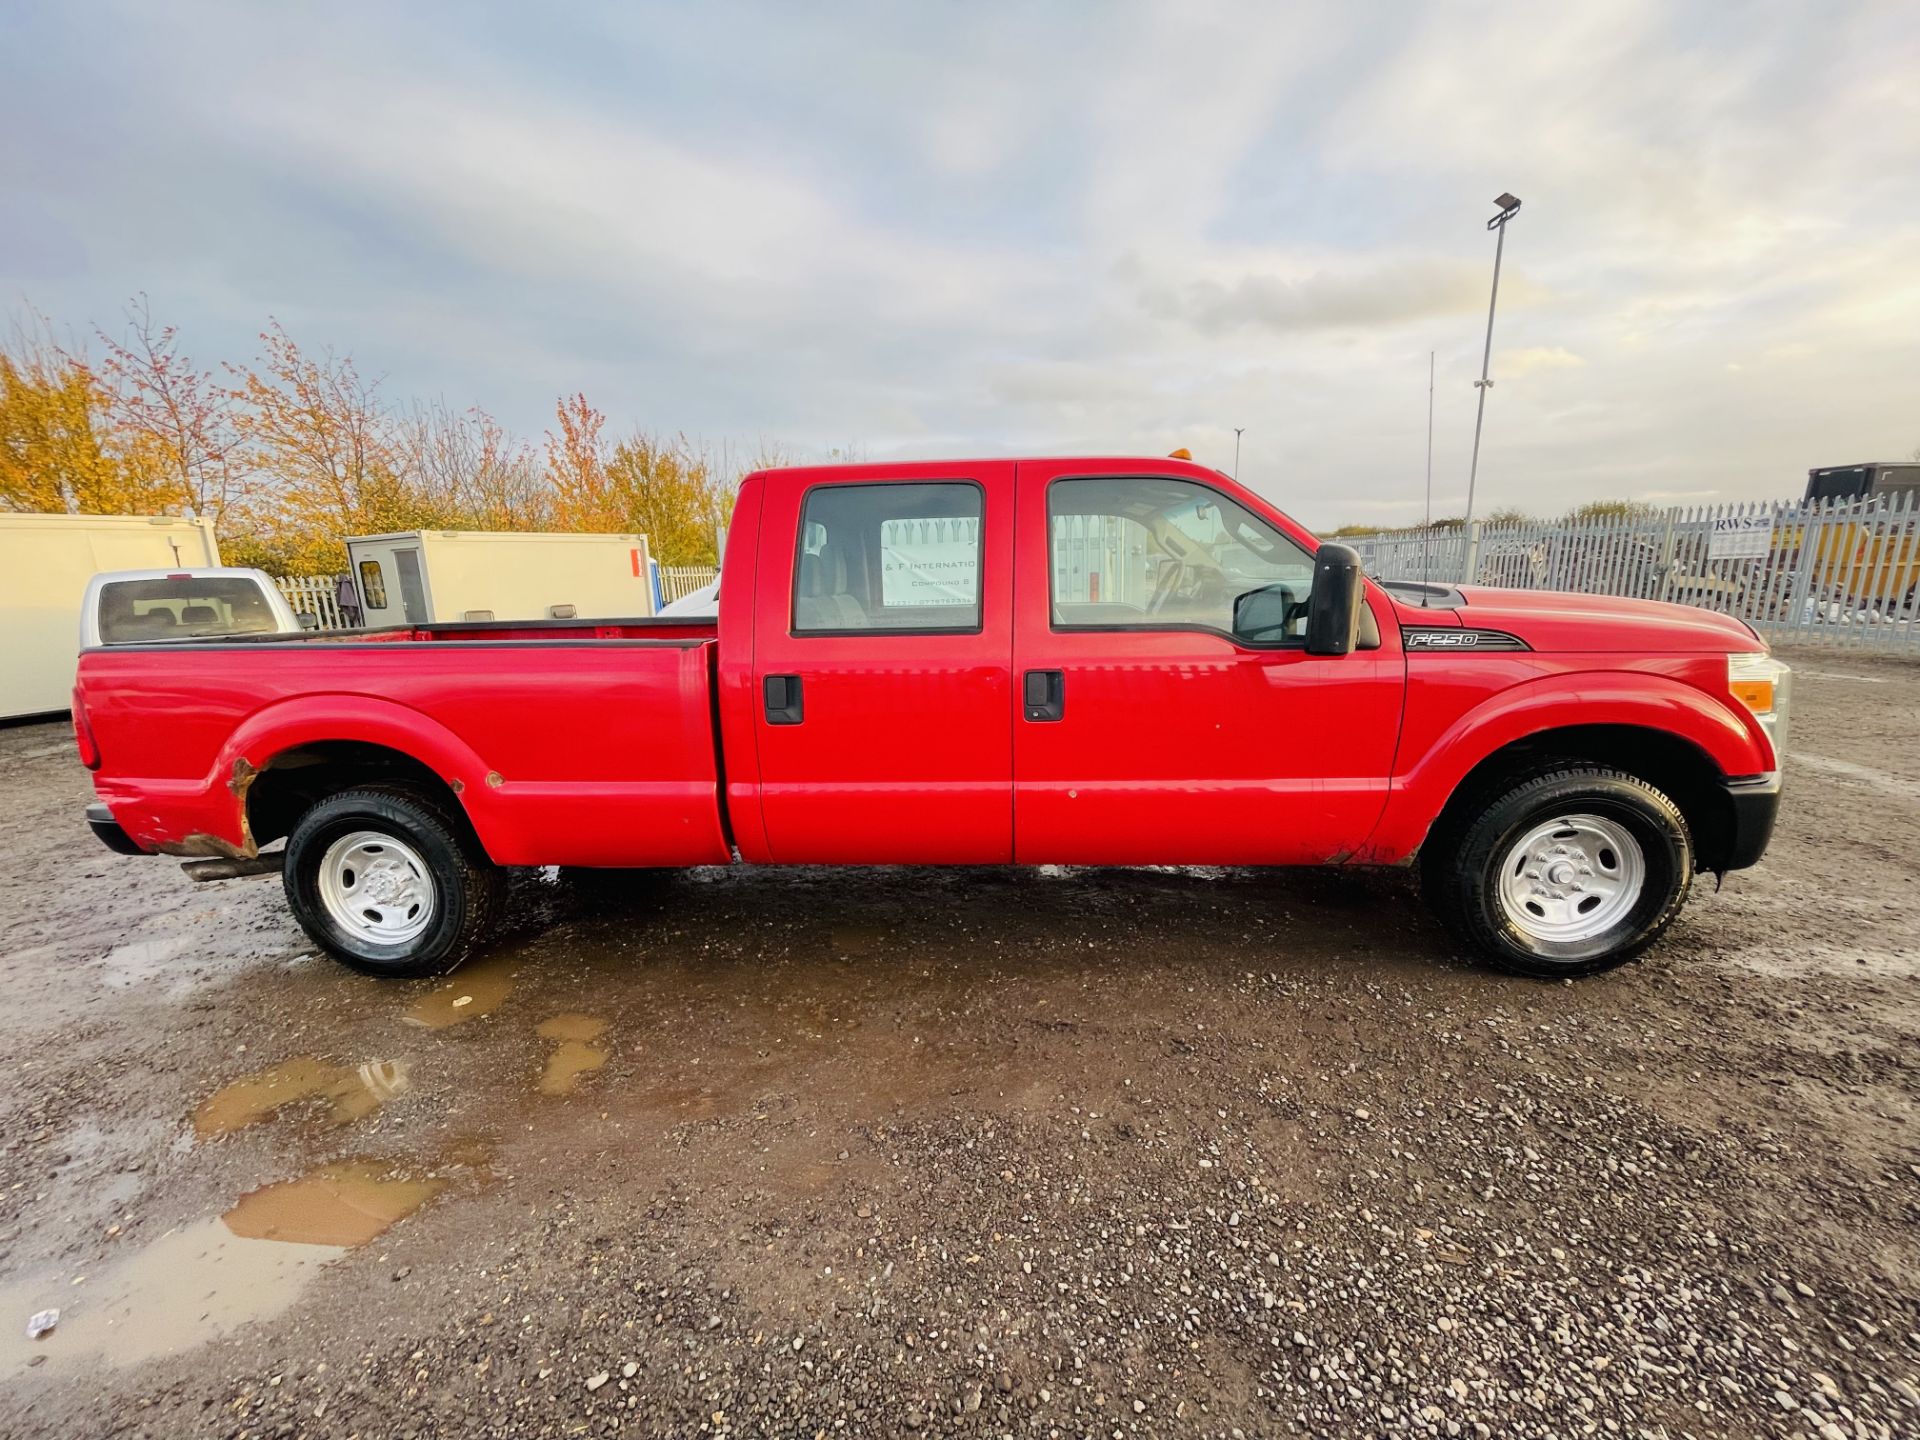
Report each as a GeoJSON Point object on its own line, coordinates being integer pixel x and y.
{"type": "Point", "coordinates": [1453, 641]}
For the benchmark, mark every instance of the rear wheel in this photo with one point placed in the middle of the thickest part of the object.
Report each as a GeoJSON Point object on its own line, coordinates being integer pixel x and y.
{"type": "Point", "coordinates": [1567, 872]}
{"type": "Point", "coordinates": [389, 883]}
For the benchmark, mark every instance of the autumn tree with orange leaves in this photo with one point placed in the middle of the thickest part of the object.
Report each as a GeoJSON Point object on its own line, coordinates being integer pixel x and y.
{"type": "Point", "coordinates": [60, 450]}
{"type": "Point", "coordinates": [180, 417]}
{"type": "Point", "coordinates": [295, 452]}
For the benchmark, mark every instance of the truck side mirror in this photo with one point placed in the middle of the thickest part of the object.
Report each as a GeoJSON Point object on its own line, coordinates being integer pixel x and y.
{"type": "Point", "coordinates": [1333, 608]}
{"type": "Point", "coordinates": [308, 620]}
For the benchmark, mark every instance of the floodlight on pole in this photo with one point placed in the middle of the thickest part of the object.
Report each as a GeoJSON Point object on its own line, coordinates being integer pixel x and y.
{"type": "Point", "coordinates": [1509, 207]}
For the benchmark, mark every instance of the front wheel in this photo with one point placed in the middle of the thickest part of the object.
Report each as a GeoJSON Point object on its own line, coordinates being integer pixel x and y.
{"type": "Point", "coordinates": [388, 883]}
{"type": "Point", "coordinates": [1567, 873]}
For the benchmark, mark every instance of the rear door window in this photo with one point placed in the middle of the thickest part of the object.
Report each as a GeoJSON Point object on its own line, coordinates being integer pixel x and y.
{"type": "Point", "coordinates": [899, 558]}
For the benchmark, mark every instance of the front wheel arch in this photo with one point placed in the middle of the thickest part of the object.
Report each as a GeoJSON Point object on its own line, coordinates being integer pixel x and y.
{"type": "Point", "coordinates": [1675, 766]}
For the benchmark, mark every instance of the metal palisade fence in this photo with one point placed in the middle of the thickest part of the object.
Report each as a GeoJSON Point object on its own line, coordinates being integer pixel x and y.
{"type": "Point", "coordinates": [1841, 572]}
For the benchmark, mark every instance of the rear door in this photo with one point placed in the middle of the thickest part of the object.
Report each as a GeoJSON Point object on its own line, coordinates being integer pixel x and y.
{"type": "Point", "coordinates": [883, 647]}
{"type": "Point", "coordinates": [1167, 718]}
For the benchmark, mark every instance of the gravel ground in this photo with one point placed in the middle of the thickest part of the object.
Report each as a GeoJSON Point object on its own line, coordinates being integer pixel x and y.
{"type": "Point", "coordinates": [1089, 1153]}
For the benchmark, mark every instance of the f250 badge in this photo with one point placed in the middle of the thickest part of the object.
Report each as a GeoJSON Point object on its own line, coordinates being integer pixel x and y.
{"type": "Point", "coordinates": [1461, 640]}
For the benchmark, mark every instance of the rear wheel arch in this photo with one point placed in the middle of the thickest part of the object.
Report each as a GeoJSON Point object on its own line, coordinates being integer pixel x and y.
{"type": "Point", "coordinates": [301, 750]}
{"type": "Point", "coordinates": [292, 781]}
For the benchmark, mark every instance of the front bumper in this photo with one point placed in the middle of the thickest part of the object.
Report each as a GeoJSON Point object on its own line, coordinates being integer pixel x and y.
{"type": "Point", "coordinates": [1753, 803]}
{"type": "Point", "coordinates": [107, 830]}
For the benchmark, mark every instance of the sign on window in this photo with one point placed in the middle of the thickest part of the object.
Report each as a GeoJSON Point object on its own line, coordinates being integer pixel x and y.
{"type": "Point", "coordinates": [930, 562]}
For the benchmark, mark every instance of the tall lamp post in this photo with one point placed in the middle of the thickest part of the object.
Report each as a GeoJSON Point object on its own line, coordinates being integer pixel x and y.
{"type": "Point", "coordinates": [1509, 207]}
{"type": "Point", "coordinates": [1237, 431]}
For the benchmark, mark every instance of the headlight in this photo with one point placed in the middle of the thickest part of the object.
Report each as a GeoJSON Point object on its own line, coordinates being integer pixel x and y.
{"type": "Point", "coordinates": [1763, 685]}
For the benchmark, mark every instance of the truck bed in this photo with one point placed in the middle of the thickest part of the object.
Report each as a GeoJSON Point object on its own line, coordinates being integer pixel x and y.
{"type": "Point", "coordinates": [567, 742]}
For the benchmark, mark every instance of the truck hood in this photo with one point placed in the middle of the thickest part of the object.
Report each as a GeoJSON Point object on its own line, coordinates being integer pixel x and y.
{"type": "Point", "coordinates": [1568, 621]}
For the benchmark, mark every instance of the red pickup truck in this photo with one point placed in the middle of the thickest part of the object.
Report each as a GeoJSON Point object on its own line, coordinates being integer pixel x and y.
{"type": "Point", "coordinates": [1078, 661]}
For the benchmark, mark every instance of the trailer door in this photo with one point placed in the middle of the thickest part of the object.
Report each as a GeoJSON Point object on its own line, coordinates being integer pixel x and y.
{"type": "Point", "coordinates": [413, 594]}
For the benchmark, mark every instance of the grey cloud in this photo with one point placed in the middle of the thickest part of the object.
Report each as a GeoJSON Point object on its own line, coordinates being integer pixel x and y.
{"type": "Point", "coordinates": [1361, 296]}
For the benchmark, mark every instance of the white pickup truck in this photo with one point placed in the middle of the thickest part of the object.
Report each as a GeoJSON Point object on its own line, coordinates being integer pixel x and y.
{"type": "Point", "coordinates": [128, 606]}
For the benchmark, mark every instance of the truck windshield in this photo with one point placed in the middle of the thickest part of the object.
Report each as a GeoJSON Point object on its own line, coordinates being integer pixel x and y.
{"type": "Point", "coordinates": [164, 609]}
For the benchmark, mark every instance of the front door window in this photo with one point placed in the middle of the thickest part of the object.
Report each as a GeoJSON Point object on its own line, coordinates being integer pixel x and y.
{"type": "Point", "coordinates": [1146, 553]}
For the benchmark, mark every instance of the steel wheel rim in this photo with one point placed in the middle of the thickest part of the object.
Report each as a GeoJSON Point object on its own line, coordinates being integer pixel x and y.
{"type": "Point", "coordinates": [1571, 878]}
{"type": "Point", "coordinates": [377, 888]}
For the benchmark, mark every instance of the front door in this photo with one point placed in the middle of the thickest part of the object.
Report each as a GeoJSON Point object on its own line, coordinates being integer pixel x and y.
{"type": "Point", "coordinates": [882, 645]}
{"type": "Point", "coordinates": [1170, 718]}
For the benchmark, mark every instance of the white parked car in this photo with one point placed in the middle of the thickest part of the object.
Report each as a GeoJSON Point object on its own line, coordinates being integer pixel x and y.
{"type": "Point", "coordinates": [704, 601]}
{"type": "Point", "coordinates": [125, 607]}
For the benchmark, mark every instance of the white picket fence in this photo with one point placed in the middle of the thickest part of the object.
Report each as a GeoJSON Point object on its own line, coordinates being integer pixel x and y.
{"type": "Point", "coordinates": [316, 595]}
{"type": "Point", "coordinates": [1840, 572]}
{"type": "Point", "coordinates": [679, 580]}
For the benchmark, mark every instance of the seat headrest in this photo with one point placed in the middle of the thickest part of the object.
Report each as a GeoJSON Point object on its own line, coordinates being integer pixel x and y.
{"type": "Point", "coordinates": [813, 577]}
{"type": "Point", "coordinates": [836, 559]}
{"type": "Point", "coordinates": [199, 615]}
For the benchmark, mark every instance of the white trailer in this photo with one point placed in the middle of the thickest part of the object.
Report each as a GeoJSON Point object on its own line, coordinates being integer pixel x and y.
{"type": "Point", "coordinates": [45, 564]}
{"type": "Point", "coordinates": [419, 576]}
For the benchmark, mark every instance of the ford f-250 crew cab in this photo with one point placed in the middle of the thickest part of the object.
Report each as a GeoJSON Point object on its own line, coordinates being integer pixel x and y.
{"type": "Point", "coordinates": [1082, 661]}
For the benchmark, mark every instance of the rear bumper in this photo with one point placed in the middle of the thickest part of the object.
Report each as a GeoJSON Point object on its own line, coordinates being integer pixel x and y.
{"type": "Point", "coordinates": [107, 830]}
{"type": "Point", "coordinates": [1753, 802]}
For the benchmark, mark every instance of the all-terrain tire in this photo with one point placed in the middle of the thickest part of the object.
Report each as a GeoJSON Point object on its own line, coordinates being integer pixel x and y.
{"type": "Point", "coordinates": [460, 891]}
{"type": "Point", "coordinates": [1471, 853]}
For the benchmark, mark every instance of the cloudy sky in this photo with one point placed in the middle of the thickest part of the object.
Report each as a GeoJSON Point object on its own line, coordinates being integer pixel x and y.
{"type": "Point", "coordinates": [936, 229]}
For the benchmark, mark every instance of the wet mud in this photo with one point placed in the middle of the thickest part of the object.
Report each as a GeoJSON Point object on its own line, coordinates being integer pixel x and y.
{"type": "Point", "coordinates": [976, 1151]}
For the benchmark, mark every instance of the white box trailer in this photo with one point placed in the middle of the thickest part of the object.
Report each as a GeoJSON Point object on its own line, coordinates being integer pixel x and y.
{"type": "Point", "coordinates": [45, 564]}
{"type": "Point", "coordinates": [419, 576]}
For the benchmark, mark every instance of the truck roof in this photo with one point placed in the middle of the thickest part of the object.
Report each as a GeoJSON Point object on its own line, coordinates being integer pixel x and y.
{"type": "Point", "coordinates": [1093, 462]}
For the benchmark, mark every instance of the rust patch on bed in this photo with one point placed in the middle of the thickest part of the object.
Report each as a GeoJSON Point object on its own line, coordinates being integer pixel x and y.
{"type": "Point", "coordinates": [243, 776]}
{"type": "Point", "coordinates": [202, 846]}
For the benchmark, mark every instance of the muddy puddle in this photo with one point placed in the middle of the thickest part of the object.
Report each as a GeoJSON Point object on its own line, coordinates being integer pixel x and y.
{"type": "Point", "coordinates": [347, 1093]}
{"type": "Point", "coordinates": [474, 991]}
{"type": "Point", "coordinates": [576, 1054]}
{"type": "Point", "coordinates": [189, 1286]}
{"type": "Point", "coordinates": [199, 1282]}
{"type": "Point", "coordinates": [339, 1205]}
